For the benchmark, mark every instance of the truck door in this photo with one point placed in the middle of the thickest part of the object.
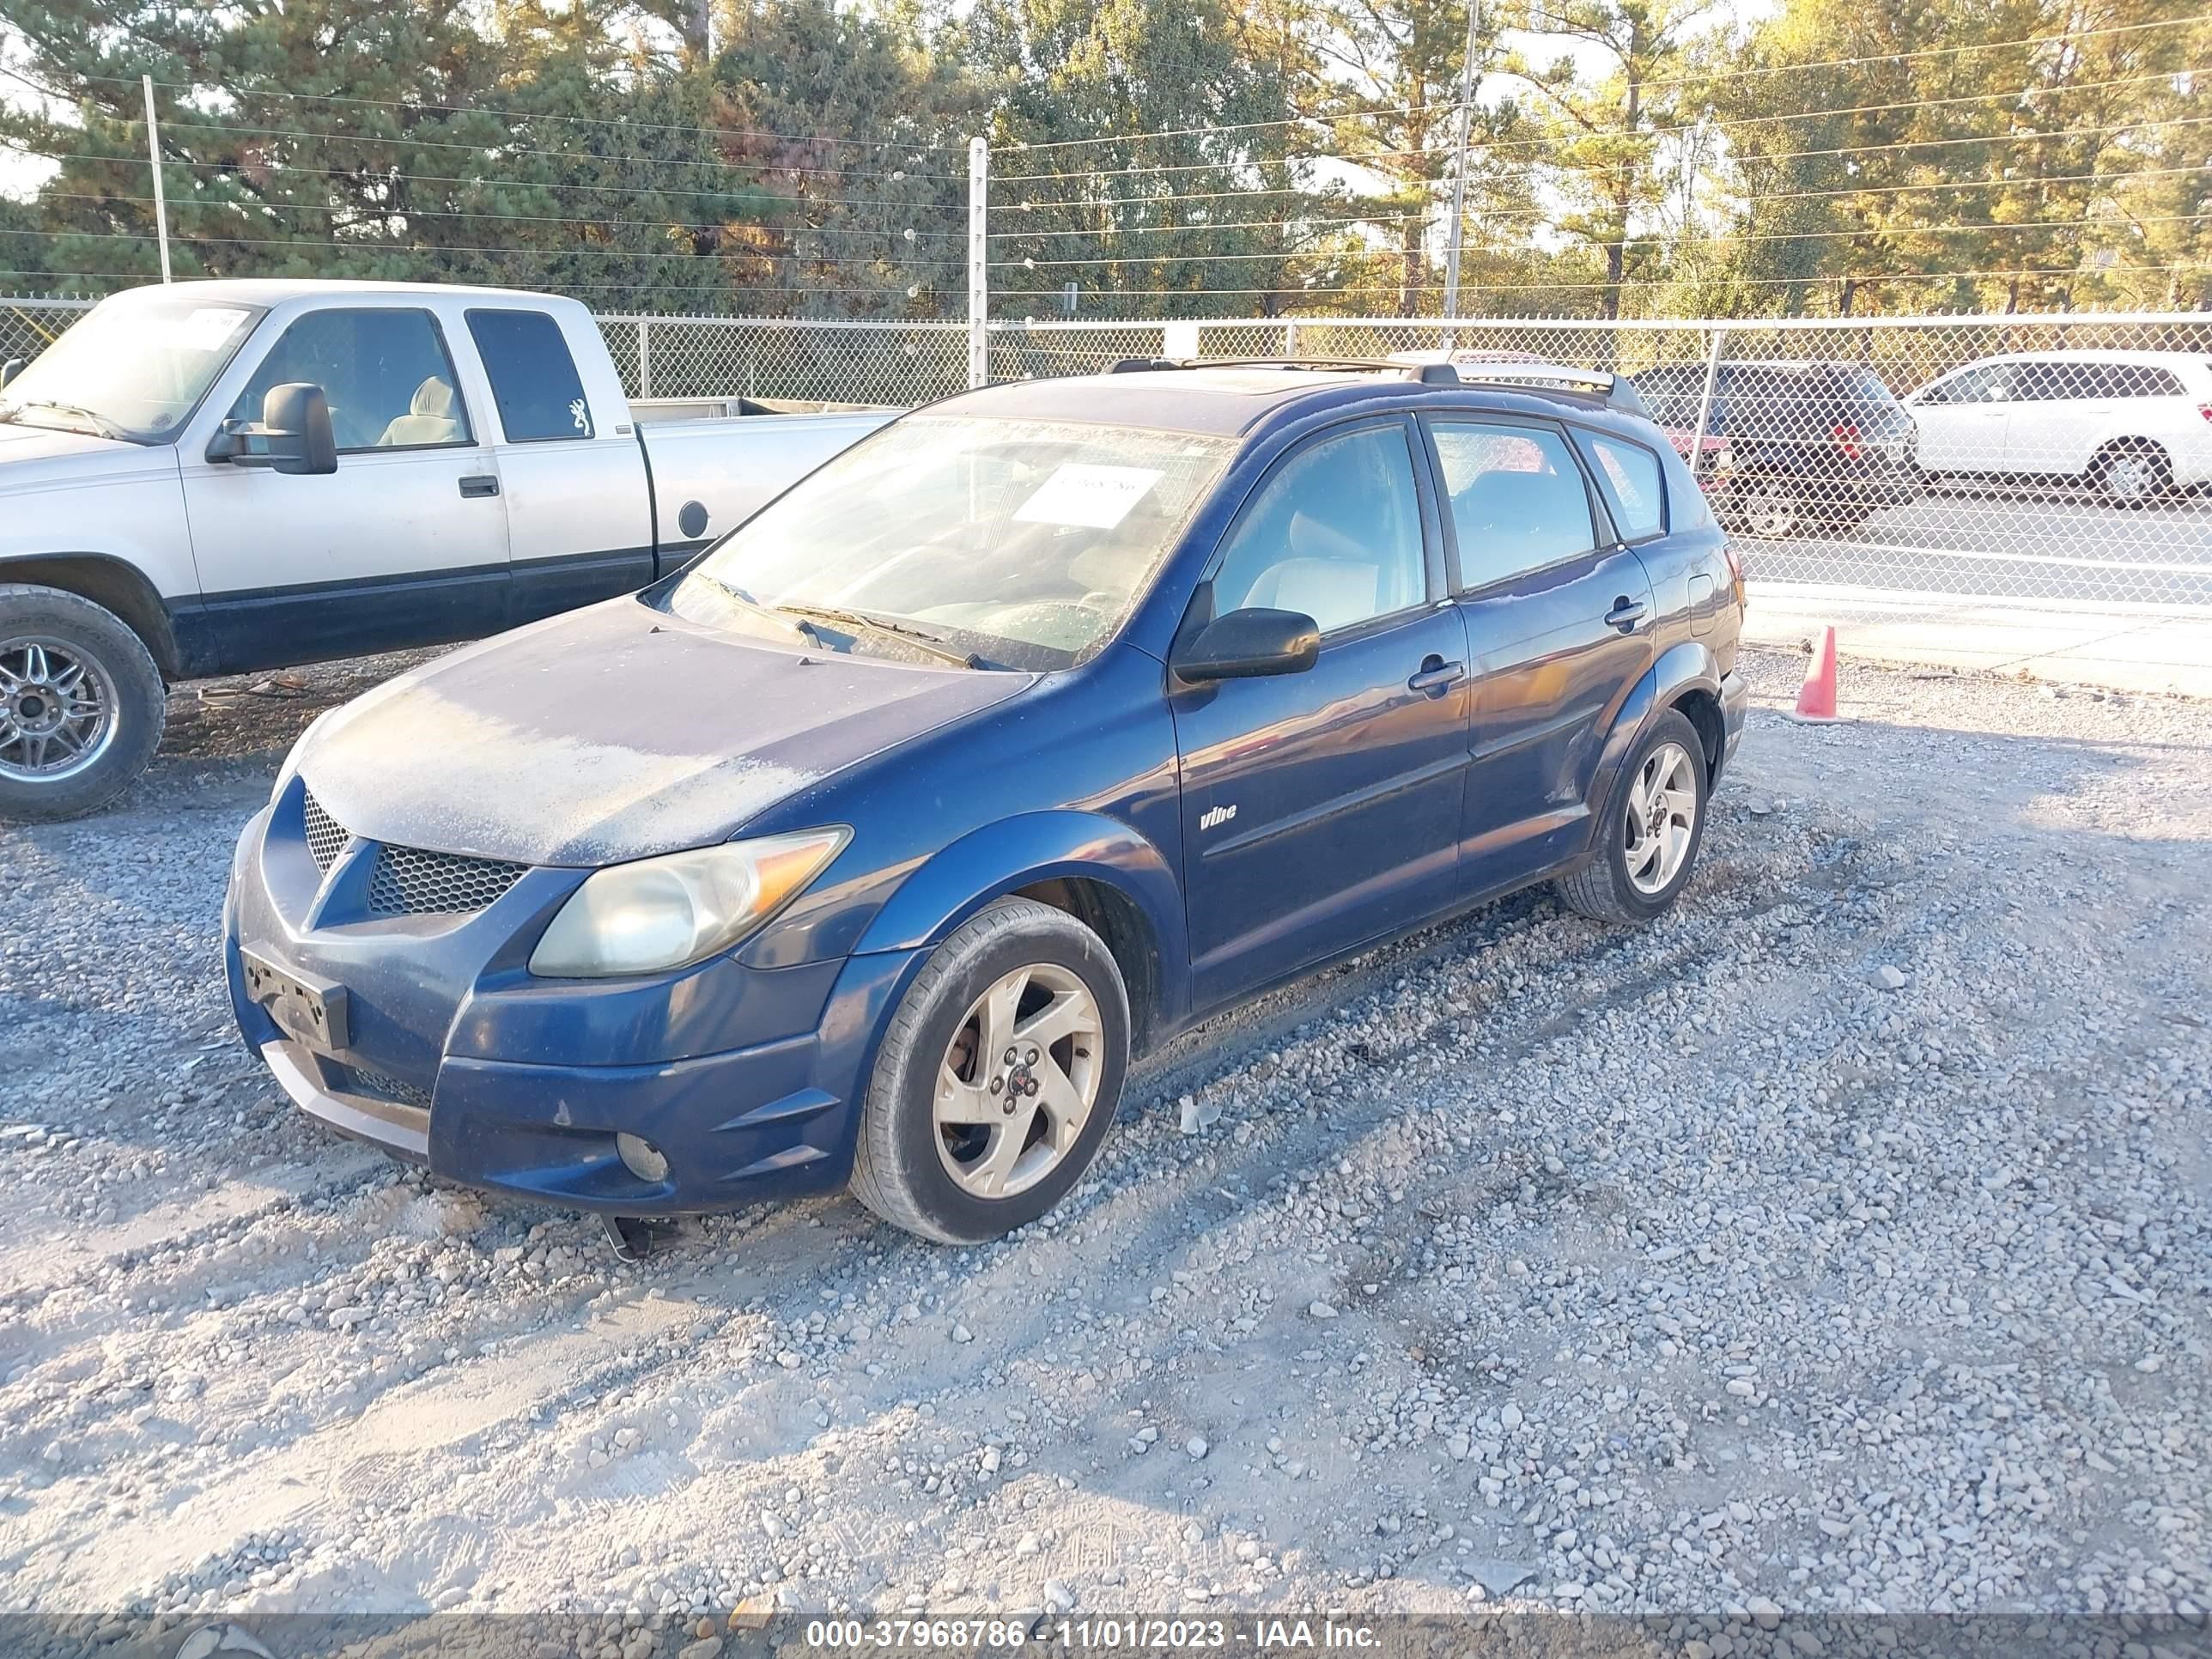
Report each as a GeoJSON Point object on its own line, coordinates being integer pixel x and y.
{"type": "Point", "coordinates": [579, 506]}
{"type": "Point", "coordinates": [404, 544]}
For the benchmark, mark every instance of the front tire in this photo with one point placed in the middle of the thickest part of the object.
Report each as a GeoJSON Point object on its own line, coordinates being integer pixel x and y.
{"type": "Point", "coordinates": [1650, 832]}
{"type": "Point", "coordinates": [997, 1078]}
{"type": "Point", "coordinates": [81, 704]}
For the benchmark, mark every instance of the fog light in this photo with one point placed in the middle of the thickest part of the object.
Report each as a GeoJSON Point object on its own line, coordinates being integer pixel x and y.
{"type": "Point", "coordinates": [641, 1157]}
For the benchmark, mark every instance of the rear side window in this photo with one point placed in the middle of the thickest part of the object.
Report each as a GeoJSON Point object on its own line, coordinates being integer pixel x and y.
{"type": "Point", "coordinates": [2142, 381]}
{"type": "Point", "coordinates": [1517, 499]}
{"type": "Point", "coordinates": [533, 377]}
{"type": "Point", "coordinates": [1628, 475]}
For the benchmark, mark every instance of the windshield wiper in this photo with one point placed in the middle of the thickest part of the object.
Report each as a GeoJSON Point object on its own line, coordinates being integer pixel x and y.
{"type": "Point", "coordinates": [771, 612]}
{"type": "Point", "coordinates": [102, 427]}
{"type": "Point", "coordinates": [928, 641]}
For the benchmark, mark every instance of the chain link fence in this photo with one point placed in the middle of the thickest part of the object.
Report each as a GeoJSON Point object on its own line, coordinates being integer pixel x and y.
{"type": "Point", "coordinates": [1925, 463]}
{"type": "Point", "coordinates": [29, 327]}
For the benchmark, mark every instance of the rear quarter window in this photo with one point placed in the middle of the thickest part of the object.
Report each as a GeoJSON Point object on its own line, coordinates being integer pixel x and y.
{"type": "Point", "coordinates": [533, 376]}
{"type": "Point", "coordinates": [1628, 475]}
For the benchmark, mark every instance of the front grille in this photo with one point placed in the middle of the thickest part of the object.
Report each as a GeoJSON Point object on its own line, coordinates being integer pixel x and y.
{"type": "Point", "coordinates": [379, 1086]}
{"type": "Point", "coordinates": [326, 836]}
{"type": "Point", "coordinates": [409, 882]}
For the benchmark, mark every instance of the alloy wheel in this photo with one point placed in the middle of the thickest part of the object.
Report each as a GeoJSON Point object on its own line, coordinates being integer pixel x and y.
{"type": "Point", "coordinates": [1771, 512]}
{"type": "Point", "coordinates": [57, 709]}
{"type": "Point", "coordinates": [1661, 817]}
{"type": "Point", "coordinates": [2130, 476]}
{"type": "Point", "coordinates": [1019, 1081]}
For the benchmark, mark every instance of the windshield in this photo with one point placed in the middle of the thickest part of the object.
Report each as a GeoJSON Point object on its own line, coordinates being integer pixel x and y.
{"type": "Point", "coordinates": [1021, 544]}
{"type": "Point", "coordinates": [134, 369]}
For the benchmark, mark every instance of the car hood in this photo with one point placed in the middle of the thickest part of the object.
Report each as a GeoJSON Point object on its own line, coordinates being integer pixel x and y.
{"type": "Point", "coordinates": [615, 733]}
{"type": "Point", "coordinates": [33, 457]}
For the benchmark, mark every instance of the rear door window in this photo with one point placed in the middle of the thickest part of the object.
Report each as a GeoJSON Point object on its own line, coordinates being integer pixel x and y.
{"type": "Point", "coordinates": [1517, 498]}
{"type": "Point", "coordinates": [1628, 475]}
{"type": "Point", "coordinates": [533, 376]}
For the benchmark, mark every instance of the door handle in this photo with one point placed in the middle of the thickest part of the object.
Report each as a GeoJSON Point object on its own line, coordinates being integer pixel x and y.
{"type": "Point", "coordinates": [1625, 615]}
{"type": "Point", "coordinates": [1436, 674]}
{"type": "Point", "coordinates": [482, 484]}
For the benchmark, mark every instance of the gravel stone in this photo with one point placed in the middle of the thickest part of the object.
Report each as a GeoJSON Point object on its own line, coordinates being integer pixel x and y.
{"type": "Point", "coordinates": [1700, 1269]}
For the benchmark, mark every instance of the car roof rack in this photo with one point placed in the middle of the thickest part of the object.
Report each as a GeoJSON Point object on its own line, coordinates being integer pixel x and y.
{"type": "Point", "coordinates": [1426, 374]}
{"type": "Point", "coordinates": [1480, 369]}
{"type": "Point", "coordinates": [1427, 369]}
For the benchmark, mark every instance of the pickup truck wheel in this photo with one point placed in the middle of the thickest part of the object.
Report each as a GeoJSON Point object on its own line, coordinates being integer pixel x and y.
{"type": "Point", "coordinates": [997, 1078]}
{"type": "Point", "coordinates": [81, 704]}
{"type": "Point", "coordinates": [1648, 837]}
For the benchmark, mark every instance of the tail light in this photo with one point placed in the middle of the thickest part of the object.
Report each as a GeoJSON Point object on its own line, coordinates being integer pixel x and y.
{"type": "Point", "coordinates": [1846, 435]}
{"type": "Point", "coordinates": [1735, 568]}
{"type": "Point", "coordinates": [2205, 410]}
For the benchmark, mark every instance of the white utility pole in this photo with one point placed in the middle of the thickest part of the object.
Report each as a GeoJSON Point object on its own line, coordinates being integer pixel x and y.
{"type": "Point", "coordinates": [153, 156]}
{"type": "Point", "coordinates": [1459, 176]}
{"type": "Point", "coordinates": [979, 246]}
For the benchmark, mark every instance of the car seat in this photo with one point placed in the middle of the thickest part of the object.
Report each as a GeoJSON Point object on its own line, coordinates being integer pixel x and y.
{"type": "Point", "coordinates": [429, 420]}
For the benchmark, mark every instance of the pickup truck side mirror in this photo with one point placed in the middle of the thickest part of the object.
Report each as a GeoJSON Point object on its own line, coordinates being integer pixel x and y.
{"type": "Point", "coordinates": [8, 371]}
{"type": "Point", "coordinates": [1251, 644]}
{"type": "Point", "coordinates": [293, 434]}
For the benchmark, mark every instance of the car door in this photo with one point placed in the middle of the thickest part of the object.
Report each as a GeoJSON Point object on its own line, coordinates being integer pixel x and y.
{"type": "Point", "coordinates": [578, 501]}
{"type": "Point", "coordinates": [1961, 419]}
{"type": "Point", "coordinates": [1560, 626]}
{"type": "Point", "coordinates": [2062, 412]}
{"type": "Point", "coordinates": [404, 544]}
{"type": "Point", "coordinates": [1322, 809]}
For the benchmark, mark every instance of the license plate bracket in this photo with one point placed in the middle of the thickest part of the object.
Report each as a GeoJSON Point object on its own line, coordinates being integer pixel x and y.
{"type": "Point", "coordinates": [308, 1006]}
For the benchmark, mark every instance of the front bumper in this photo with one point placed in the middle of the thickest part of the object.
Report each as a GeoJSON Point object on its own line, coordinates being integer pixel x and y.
{"type": "Point", "coordinates": [748, 1080]}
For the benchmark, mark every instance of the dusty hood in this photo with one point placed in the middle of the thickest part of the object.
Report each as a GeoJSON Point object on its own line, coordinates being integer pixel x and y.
{"type": "Point", "coordinates": [34, 457]}
{"type": "Point", "coordinates": [614, 732]}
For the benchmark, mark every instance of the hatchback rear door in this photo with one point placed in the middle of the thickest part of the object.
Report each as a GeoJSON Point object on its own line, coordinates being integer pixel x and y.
{"type": "Point", "coordinates": [1559, 619]}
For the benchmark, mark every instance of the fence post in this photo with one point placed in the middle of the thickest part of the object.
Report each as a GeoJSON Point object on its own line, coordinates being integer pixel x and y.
{"type": "Point", "coordinates": [153, 159]}
{"type": "Point", "coordinates": [1705, 399]}
{"type": "Point", "coordinates": [1452, 242]}
{"type": "Point", "coordinates": [1290, 338]}
{"type": "Point", "coordinates": [644, 360]}
{"type": "Point", "coordinates": [979, 291]}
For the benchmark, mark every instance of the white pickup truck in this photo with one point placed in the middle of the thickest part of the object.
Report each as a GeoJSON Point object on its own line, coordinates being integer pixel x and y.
{"type": "Point", "coordinates": [214, 478]}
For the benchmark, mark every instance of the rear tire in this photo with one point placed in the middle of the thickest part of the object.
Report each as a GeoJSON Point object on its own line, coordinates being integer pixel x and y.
{"type": "Point", "coordinates": [1639, 870]}
{"type": "Point", "coordinates": [82, 704]}
{"type": "Point", "coordinates": [2134, 472]}
{"type": "Point", "coordinates": [957, 1143]}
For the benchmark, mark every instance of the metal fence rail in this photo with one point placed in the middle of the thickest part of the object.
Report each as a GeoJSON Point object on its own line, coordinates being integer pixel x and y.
{"type": "Point", "coordinates": [2060, 461]}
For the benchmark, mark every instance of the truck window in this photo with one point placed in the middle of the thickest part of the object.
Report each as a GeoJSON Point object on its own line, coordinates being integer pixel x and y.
{"type": "Point", "coordinates": [533, 377]}
{"type": "Point", "coordinates": [386, 373]}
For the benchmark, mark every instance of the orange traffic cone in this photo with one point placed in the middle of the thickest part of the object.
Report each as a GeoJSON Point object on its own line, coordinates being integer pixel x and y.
{"type": "Point", "coordinates": [1816, 700]}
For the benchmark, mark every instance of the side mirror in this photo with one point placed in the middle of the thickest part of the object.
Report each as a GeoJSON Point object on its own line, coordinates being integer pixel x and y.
{"type": "Point", "coordinates": [293, 434]}
{"type": "Point", "coordinates": [8, 371]}
{"type": "Point", "coordinates": [1250, 645]}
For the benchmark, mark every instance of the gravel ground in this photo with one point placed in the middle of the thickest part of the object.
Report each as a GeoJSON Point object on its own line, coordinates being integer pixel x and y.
{"type": "Point", "coordinates": [1840, 1243]}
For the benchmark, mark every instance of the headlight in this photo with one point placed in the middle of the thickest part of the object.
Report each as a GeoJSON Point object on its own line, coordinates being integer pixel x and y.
{"type": "Point", "coordinates": [671, 911]}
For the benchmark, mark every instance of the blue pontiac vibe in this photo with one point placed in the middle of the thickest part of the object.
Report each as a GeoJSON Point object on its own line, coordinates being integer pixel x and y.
{"type": "Point", "coordinates": [1041, 724]}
